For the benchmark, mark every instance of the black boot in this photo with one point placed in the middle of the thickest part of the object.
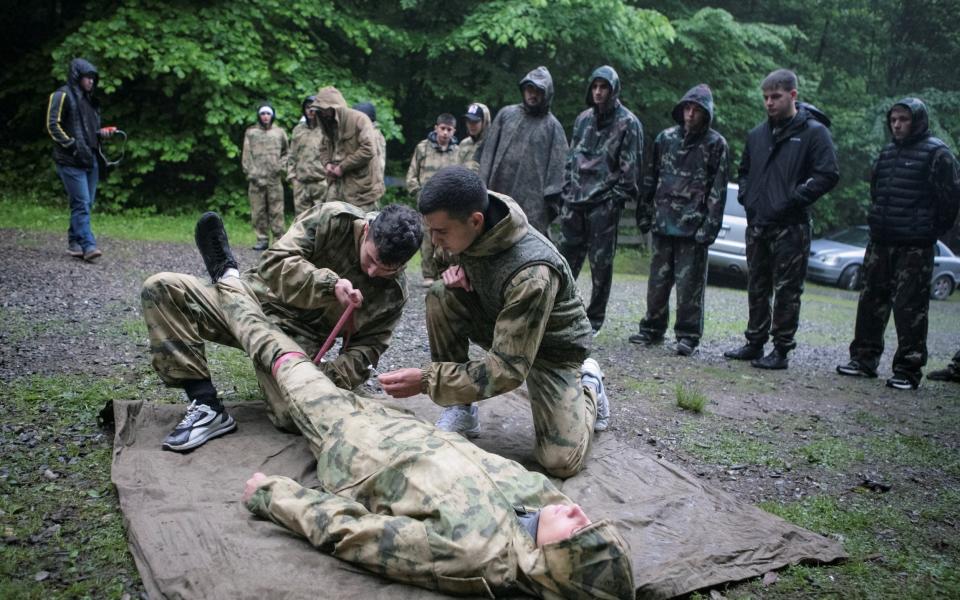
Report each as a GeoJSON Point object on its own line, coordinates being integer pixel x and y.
{"type": "Point", "coordinates": [214, 247]}
{"type": "Point", "coordinates": [747, 351]}
{"type": "Point", "coordinates": [777, 359]}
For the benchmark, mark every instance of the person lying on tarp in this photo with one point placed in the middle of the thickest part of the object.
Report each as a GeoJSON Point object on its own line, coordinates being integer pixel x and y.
{"type": "Point", "coordinates": [405, 500]}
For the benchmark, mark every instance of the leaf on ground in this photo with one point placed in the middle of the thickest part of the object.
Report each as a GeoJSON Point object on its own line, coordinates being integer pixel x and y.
{"type": "Point", "coordinates": [770, 578]}
{"type": "Point", "coordinates": [41, 575]}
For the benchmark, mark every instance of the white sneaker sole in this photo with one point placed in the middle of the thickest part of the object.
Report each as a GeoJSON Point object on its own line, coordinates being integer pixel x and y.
{"type": "Point", "coordinates": [224, 428]}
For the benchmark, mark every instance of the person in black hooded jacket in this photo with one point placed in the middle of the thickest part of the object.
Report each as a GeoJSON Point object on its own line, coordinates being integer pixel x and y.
{"type": "Point", "coordinates": [789, 162]}
{"type": "Point", "coordinates": [73, 122]}
{"type": "Point", "coordinates": [915, 195]}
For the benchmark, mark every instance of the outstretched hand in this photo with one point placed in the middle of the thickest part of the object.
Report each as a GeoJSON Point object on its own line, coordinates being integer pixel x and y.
{"type": "Point", "coordinates": [346, 294]}
{"type": "Point", "coordinates": [456, 277]}
{"type": "Point", "coordinates": [253, 484]}
{"type": "Point", "coordinates": [402, 383]}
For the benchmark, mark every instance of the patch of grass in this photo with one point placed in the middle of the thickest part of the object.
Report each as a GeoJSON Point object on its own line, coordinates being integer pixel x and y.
{"type": "Point", "coordinates": [831, 452]}
{"type": "Point", "coordinates": [690, 398]}
{"type": "Point", "coordinates": [631, 261]}
{"type": "Point", "coordinates": [646, 387]}
{"type": "Point", "coordinates": [233, 373]}
{"type": "Point", "coordinates": [892, 551]}
{"type": "Point", "coordinates": [58, 511]}
{"type": "Point", "coordinates": [733, 448]}
{"type": "Point", "coordinates": [914, 451]}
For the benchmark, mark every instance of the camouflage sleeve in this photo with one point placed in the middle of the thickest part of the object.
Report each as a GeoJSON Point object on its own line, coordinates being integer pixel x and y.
{"type": "Point", "coordinates": [284, 151]}
{"type": "Point", "coordinates": [570, 166]}
{"type": "Point", "coordinates": [395, 547]}
{"type": "Point", "coordinates": [556, 160]}
{"type": "Point", "coordinates": [413, 172]}
{"type": "Point", "coordinates": [292, 156]}
{"type": "Point", "coordinates": [824, 171]}
{"type": "Point", "coordinates": [517, 333]}
{"type": "Point", "coordinates": [286, 267]}
{"type": "Point", "coordinates": [246, 160]}
{"type": "Point", "coordinates": [719, 170]}
{"type": "Point", "coordinates": [651, 178]}
{"type": "Point", "coordinates": [366, 148]}
{"type": "Point", "coordinates": [490, 142]}
{"type": "Point", "coordinates": [945, 175]}
{"type": "Point", "coordinates": [349, 369]}
{"type": "Point", "coordinates": [630, 157]}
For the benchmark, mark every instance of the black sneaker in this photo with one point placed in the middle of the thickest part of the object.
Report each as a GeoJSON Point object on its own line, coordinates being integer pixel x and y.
{"type": "Point", "coordinates": [745, 352]}
{"type": "Point", "coordinates": [777, 359]}
{"type": "Point", "coordinates": [645, 337]}
{"type": "Point", "coordinates": [214, 247]}
{"type": "Point", "coordinates": [200, 424]}
{"type": "Point", "coordinates": [855, 369]}
{"type": "Point", "coordinates": [686, 346]}
{"type": "Point", "coordinates": [261, 245]}
{"type": "Point", "coordinates": [948, 374]}
{"type": "Point", "coordinates": [899, 381]}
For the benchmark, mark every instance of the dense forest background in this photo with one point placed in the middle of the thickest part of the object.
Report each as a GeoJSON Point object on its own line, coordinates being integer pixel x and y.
{"type": "Point", "coordinates": [184, 79]}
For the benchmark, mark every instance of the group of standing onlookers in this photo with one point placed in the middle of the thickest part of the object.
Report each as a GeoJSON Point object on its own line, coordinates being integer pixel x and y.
{"type": "Point", "coordinates": [336, 153]}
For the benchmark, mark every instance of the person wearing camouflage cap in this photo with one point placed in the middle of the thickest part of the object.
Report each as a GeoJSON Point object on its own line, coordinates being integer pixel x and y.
{"type": "Point", "coordinates": [334, 255]}
{"type": "Point", "coordinates": [264, 160]}
{"type": "Point", "coordinates": [414, 504]}
{"type": "Point", "coordinates": [606, 152]}
{"type": "Point", "coordinates": [305, 170]}
{"type": "Point", "coordinates": [687, 192]}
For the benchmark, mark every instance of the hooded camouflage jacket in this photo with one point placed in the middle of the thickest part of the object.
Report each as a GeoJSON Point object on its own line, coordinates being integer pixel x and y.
{"type": "Point", "coordinates": [73, 119]}
{"type": "Point", "coordinates": [470, 147]}
{"type": "Point", "coordinates": [303, 161]}
{"type": "Point", "coordinates": [606, 149]}
{"type": "Point", "coordinates": [350, 140]}
{"type": "Point", "coordinates": [529, 303]}
{"type": "Point", "coordinates": [914, 185]}
{"type": "Point", "coordinates": [264, 157]}
{"type": "Point", "coordinates": [294, 283]}
{"type": "Point", "coordinates": [406, 501]}
{"type": "Point", "coordinates": [525, 152]}
{"type": "Point", "coordinates": [428, 158]}
{"type": "Point", "coordinates": [687, 186]}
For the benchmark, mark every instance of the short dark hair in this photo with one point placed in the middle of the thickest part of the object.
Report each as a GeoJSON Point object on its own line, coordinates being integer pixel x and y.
{"type": "Point", "coordinates": [397, 232]}
{"type": "Point", "coordinates": [457, 190]}
{"type": "Point", "coordinates": [447, 119]}
{"type": "Point", "coordinates": [781, 79]}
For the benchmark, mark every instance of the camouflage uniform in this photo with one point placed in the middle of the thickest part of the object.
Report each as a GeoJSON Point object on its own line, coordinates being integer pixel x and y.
{"type": "Point", "coordinates": [428, 158]}
{"type": "Point", "coordinates": [406, 501]}
{"type": "Point", "coordinates": [524, 154]}
{"type": "Point", "coordinates": [785, 168]}
{"type": "Point", "coordinates": [264, 159]}
{"type": "Point", "coordinates": [915, 193]}
{"type": "Point", "coordinates": [305, 167]}
{"type": "Point", "coordinates": [606, 151]}
{"type": "Point", "coordinates": [525, 310]}
{"type": "Point", "coordinates": [470, 148]}
{"type": "Point", "coordinates": [294, 285]}
{"type": "Point", "coordinates": [687, 191]}
{"type": "Point", "coordinates": [350, 141]}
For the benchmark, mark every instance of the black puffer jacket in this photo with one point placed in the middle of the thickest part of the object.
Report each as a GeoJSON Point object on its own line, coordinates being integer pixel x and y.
{"type": "Point", "coordinates": [913, 186]}
{"type": "Point", "coordinates": [782, 174]}
{"type": "Point", "coordinates": [73, 119]}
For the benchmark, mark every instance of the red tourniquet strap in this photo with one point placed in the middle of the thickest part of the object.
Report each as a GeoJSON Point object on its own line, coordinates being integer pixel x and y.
{"type": "Point", "coordinates": [333, 334]}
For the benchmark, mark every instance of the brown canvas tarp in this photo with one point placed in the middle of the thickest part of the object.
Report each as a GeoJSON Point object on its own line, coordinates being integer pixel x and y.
{"type": "Point", "coordinates": [192, 538]}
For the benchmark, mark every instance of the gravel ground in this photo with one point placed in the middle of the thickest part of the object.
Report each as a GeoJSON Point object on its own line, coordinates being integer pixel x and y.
{"type": "Point", "coordinates": [61, 315]}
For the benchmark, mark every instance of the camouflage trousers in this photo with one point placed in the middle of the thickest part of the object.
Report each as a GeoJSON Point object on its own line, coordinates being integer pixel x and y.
{"type": "Point", "coordinates": [182, 312]}
{"type": "Point", "coordinates": [683, 262]}
{"type": "Point", "coordinates": [591, 231]}
{"type": "Point", "coordinates": [777, 257]}
{"type": "Point", "coordinates": [266, 209]}
{"type": "Point", "coordinates": [897, 279]}
{"type": "Point", "coordinates": [306, 194]}
{"type": "Point", "coordinates": [563, 410]}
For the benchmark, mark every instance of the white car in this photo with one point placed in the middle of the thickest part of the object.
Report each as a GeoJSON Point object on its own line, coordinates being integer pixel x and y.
{"type": "Point", "coordinates": [729, 252]}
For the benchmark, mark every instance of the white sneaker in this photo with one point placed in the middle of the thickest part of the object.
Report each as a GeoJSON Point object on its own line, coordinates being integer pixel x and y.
{"type": "Point", "coordinates": [590, 374]}
{"type": "Point", "coordinates": [460, 418]}
{"type": "Point", "coordinates": [200, 424]}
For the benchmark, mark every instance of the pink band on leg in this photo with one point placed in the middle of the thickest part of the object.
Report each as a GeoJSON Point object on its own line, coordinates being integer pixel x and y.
{"type": "Point", "coordinates": [284, 358]}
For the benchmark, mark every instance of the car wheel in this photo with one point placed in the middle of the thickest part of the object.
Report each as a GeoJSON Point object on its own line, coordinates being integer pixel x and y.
{"type": "Point", "coordinates": [941, 288]}
{"type": "Point", "coordinates": [851, 278]}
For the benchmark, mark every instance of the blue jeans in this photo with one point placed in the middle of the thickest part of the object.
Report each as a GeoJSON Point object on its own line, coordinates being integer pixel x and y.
{"type": "Point", "coordinates": [81, 186]}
